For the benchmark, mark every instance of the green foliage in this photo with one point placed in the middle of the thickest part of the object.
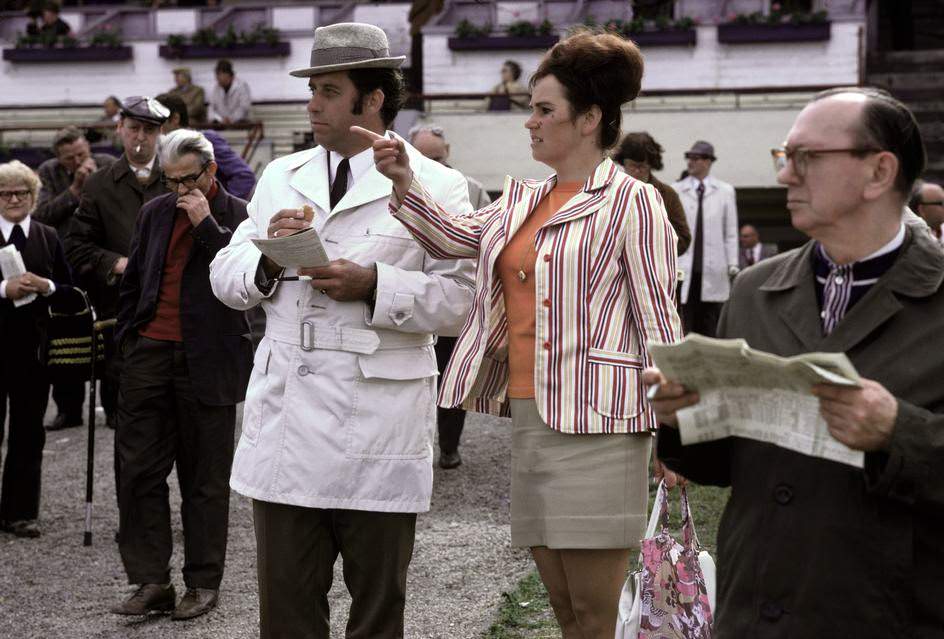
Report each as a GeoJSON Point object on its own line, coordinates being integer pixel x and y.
{"type": "Point", "coordinates": [546, 28]}
{"type": "Point", "coordinates": [207, 37]}
{"type": "Point", "coordinates": [639, 25]}
{"type": "Point", "coordinates": [522, 29]}
{"type": "Point", "coordinates": [176, 40]}
{"type": "Point", "coordinates": [466, 29]}
{"type": "Point", "coordinates": [780, 14]}
{"type": "Point", "coordinates": [107, 37]}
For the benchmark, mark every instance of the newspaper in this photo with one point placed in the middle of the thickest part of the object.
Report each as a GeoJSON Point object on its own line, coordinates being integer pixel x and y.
{"type": "Point", "coordinates": [11, 264]}
{"type": "Point", "coordinates": [299, 250]}
{"type": "Point", "coordinates": [756, 395]}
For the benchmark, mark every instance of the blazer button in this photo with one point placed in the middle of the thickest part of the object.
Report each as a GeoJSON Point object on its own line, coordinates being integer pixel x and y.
{"type": "Point", "coordinates": [783, 494]}
{"type": "Point", "coordinates": [547, 303]}
{"type": "Point", "coordinates": [771, 611]}
{"type": "Point", "coordinates": [303, 370]}
{"type": "Point", "coordinates": [547, 257]}
{"type": "Point", "coordinates": [547, 346]}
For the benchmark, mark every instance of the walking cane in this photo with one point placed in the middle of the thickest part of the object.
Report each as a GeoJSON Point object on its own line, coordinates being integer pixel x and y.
{"type": "Point", "coordinates": [97, 328]}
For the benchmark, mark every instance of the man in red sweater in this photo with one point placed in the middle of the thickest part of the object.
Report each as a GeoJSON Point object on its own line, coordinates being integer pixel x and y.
{"type": "Point", "coordinates": [187, 363]}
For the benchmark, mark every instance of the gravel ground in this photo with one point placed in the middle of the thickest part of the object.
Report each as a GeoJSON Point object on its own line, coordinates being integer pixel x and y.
{"type": "Point", "coordinates": [54, 587]}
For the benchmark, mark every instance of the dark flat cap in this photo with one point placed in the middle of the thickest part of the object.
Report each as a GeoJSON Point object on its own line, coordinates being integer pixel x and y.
{"type": "Point", "coordinates": [702, 148]}
{"type": "Point", "coordinates": [144, 108]}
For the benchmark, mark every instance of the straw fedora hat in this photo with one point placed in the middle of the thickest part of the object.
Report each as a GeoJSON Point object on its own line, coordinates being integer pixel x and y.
{"type": "Point", "coordinates": [349, 45]}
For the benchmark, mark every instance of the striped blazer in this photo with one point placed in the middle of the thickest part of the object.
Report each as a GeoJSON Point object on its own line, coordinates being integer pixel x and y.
{"type": "Point", "coordinates": [605, 283]}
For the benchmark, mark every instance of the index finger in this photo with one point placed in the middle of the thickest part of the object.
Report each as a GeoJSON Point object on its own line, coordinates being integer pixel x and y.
{"type": "Point", "coordinates": [370, 136]}
{"type": "Point", "coordinates": [294, 214]}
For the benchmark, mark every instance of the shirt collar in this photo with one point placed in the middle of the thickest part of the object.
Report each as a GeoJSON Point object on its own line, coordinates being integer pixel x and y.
{"type": "Point", "coordinates": [893, 245]}
{"type": "Point", "coordinates": [359, 165]}
{"type": "Point", "coordinates": [6, 227]}
{"type": "Point", "coordinates": [144, 170]}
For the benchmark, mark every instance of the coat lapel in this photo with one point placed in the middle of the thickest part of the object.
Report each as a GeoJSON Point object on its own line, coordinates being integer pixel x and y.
{"type": "Point", "coordinates": [591, 198]}
{"type": "Point", "coordinates": [528, 200]}
{"type": "Point", "coordinates": [311, 179]}
{"type": "Point", "coordinates": [797, 305]}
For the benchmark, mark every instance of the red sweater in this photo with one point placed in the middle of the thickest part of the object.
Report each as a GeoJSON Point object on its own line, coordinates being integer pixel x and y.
{"type": "Point", "coordinates": [166, 322]}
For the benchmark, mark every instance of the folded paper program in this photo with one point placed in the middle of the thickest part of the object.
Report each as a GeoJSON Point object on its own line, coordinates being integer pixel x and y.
{"type": "Point", "coordinates": [756, 395]}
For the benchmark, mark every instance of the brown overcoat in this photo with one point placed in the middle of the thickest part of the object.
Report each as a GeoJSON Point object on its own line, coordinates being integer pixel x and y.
{"type": "Point", "coordinates": [813, 548]}
{"type": "Point", "coordinates": [675, 211]}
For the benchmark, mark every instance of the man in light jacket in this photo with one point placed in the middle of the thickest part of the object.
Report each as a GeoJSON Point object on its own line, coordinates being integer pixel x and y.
{"type": "Point", "coordinates": [336, 447]}
{"type": "Point", "coordinates": [712, 258]}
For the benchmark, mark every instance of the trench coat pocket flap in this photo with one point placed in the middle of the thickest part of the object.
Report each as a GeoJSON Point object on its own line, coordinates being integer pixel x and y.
{"type": "Point", "coordinates": [615, 383]}
{"type": "Point", "coordinates": [401, 308]}
{"type": "Point", "coordinates": [399, 363]}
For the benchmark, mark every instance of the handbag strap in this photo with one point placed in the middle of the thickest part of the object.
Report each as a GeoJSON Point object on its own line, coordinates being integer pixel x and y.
{"type": "Point", "coordinates": [688, 523]}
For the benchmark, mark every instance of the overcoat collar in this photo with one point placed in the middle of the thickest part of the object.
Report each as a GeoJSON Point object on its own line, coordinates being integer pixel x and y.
{"type": "Point", "coordinates": [918, 272]}
{"type": "Point", "coordinates": [590, 198]}
{"type": "Point", "coordinates": [311, 180]}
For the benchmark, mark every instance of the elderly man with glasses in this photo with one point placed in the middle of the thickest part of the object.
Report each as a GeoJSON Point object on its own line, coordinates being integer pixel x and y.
{"type": "Point", "coordinates": [187, 362]}
{"type": "Point", "coordinates": [815, 548]}
{"type": "Point", "coordinates": [928, 202]}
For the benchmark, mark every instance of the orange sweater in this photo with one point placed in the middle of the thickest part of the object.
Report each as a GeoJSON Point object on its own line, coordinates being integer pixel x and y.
{"type": "Point", "coordinates": [519, 255]}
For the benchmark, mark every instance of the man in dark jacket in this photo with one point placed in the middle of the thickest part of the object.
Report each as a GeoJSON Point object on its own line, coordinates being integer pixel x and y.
{"type": "Point", "coordinates": [809, 547]}
{"type": "Point", "coordinates": [62, 179]}
{"type": "Point", "coordinates": [187, 363]}
{"type": "Point", "coordinates": [99, 240]}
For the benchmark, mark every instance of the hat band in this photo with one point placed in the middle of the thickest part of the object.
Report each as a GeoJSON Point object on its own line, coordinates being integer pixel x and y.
{"type": "Point", "coordinates": [344, 55]}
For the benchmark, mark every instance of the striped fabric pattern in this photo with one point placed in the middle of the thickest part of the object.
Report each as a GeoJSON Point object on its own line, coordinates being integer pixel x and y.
{"type": "Point", "coordinates": [605, 284]}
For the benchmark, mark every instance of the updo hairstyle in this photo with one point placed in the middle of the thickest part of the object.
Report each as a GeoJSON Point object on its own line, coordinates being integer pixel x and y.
{"type": "Point", "coordinates": [599, 69]}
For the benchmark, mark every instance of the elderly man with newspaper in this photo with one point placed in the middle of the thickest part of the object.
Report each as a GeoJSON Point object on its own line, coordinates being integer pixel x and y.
{"type": "Point", "coordinates": [809, 546]}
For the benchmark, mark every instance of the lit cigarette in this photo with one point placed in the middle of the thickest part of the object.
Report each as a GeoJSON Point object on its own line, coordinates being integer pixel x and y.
{"type": "Point", "coordinates": [137, 149]}
{"type": "Point", "coordinates": [653, 391]}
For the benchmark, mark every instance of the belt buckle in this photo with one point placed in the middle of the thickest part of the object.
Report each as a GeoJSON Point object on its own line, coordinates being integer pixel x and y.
{"type": "Point", "coordinates": [310, 346]}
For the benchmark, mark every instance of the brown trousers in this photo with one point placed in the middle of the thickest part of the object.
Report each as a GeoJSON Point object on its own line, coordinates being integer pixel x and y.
{"type": "Point", "coordinates": [296, 549]}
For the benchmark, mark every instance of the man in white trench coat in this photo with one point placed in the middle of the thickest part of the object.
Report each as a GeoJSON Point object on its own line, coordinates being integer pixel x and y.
{"type": "Point", "coordinates": [336, 447]}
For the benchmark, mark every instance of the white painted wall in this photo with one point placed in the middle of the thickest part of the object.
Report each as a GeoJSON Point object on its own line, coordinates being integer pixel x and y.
{"type": "Point", "coordinates": [490, 146]}
{"type": "Point", "coordinates": [708, 65]}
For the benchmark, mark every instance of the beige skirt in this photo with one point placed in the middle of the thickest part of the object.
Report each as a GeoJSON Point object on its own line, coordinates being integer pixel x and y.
{"type": "Point", "coordinates": [576, 491]}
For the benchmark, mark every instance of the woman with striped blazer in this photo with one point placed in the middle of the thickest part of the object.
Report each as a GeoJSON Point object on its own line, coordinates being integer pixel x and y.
{"type": "Point", "coordinates": [576, 273]}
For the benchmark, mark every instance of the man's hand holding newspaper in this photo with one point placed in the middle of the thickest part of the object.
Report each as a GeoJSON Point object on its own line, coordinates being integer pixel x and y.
{"type": "Point", "coordinates": [814, 403]}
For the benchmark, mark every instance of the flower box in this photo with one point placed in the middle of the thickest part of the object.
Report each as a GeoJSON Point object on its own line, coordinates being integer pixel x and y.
{"type": "Point", "coordinates": [68, 54]}
{"type": "Point", "coordinates": [665, 38]}
{"type": "Point", "coordinates": [733, 33]}
{"type": "Point", "coordinates": [497, 43]}
{"type": "Point", "coordinates": [241, 50]}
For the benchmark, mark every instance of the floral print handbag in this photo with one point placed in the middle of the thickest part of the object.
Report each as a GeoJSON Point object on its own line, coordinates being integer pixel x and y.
{"type": "Point", "coordinates": [669, 597]}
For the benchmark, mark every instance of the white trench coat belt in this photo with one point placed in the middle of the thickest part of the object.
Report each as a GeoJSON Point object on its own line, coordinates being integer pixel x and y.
{"type": "Point", "coordinates": [340, 410]}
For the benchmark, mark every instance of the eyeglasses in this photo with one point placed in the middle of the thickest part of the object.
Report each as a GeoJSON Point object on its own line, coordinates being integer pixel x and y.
{"type": "Point", "coordinates": [22, 194]}
{"type": "Point", "coordinates": [801, 157]}
{"type": "Point", "coordinates": [189, 181]}
{"type": "Point", "coordinates": [937, 203]}
{"type": "Point", "coordinates": [693, 156]}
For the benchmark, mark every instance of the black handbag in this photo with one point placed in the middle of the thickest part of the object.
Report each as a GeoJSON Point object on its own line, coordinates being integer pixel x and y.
{"type": "Point", "coordinates": [69, 335]}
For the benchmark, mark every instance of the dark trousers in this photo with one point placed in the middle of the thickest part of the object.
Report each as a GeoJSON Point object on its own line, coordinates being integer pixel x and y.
{"type": "Point", "coordinates": [698, 316]}
{"type": "Point", "coordinates": [296, 549]}
{"type": "Point", "coordinates": [69, 398]}
{"type": "Point", "coordinates": [22, 383]}
{"type": "Point", "coordinates": [161, 421]}
{"type": "Point", "coordinates": [449, 421]}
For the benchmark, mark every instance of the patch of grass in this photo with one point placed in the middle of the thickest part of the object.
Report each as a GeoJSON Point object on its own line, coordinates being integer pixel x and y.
{"type": "Point", "coordinates": [525, 613]}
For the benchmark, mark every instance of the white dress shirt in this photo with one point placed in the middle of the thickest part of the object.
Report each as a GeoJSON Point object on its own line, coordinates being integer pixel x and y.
{"type": "Point", "coordinates": [6, 228]}
{"type": "Point", "coordinates": [233, 103]}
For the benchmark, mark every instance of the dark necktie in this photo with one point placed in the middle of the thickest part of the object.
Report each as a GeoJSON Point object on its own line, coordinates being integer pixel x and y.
{"type": "Point", "coordinates": [749, 257]}
{"type": "Point", "coordinates": [698, 235]}
{"type": "Point", "coordinates": [18, 238]}
{"type": "Point", "coordinates": [339, 188]}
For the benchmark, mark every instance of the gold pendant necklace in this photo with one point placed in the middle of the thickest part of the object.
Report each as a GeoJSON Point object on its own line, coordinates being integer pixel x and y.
{"type": "Point", "coordinates": [522, 276]}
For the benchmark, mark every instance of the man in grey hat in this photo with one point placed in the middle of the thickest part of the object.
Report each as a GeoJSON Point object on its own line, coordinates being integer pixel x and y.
{"type": "Point", "coordinates": [336, 445]}
{"type": "Point", "coordinates": [712, 258]}
{"type": "Point", "coordinates": [99, 240]}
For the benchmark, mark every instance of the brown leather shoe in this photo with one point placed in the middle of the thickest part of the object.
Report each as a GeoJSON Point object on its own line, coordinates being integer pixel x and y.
{"type": "Point", "coordinates": [196, 602]}
{"type": "Point", "coordinates": [148, 598]}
